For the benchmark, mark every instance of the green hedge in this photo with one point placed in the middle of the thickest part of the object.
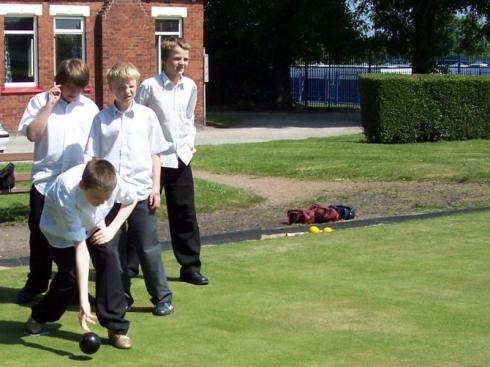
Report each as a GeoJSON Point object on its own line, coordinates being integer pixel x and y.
{"type": "Point", "coordinates": [415, 108]}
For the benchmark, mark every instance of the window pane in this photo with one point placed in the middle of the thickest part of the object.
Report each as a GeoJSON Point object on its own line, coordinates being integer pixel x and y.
{"type": "Point", "coordinates": [18, 58]}
{"type": "Point", "coordinates": [68, 46]}
{"type": "Point", "coordinates": [74, 23]}
{"type": "Point", "coordinates": [19, 24]}
{"type": "Point", "coordinates": [167, 25]}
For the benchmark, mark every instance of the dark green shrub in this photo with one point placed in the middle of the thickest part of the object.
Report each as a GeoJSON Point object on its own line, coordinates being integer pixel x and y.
{"type": "Point", "coordinates": [414, 108]}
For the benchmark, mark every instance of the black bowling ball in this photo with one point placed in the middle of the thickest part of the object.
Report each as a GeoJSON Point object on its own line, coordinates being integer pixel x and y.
{"type": "Point", "coordinates": [89, 343]}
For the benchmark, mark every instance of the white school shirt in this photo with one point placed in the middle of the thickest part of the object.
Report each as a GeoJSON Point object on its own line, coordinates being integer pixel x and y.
{"type": "Point", "coordinates": [128, 140]}
{"type": "Point", "coordinates": [61, 146]}
{"type": "Point", "coordinates": [67, 215]}
{"type": "Point", "coordinates": [174, 106]}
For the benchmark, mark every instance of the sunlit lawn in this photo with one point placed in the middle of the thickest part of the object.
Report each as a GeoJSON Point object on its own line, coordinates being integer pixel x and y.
{"type": "Point", "coordinates": [351, 158]}
{"type": "Point", "coordinates": [409, 294]}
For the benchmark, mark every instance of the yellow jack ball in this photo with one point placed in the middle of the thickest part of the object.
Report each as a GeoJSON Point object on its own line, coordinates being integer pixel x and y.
{"type": "Point", "coordinates": [314, 229]}
{"type": "Point", "coordinates": [327, 229]}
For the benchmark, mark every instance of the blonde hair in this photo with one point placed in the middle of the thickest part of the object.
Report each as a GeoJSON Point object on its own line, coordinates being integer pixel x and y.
{"type": "Point", "coordinates": [168, 45]}
{"type": "Point", "coordinates": [73, 71]}
{"type": "Point", "coordinates": [122, 71]}
{"type": "Point", "coordinates": [100, 175]}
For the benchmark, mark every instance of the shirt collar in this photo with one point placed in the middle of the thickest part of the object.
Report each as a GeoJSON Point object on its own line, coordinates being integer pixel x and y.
{"type": "Point", "coordinates": [129, 112]}
{"type": "Point", "coordinates": [74, 101]}
{"type": "Point", "coordinates": [166, 81]}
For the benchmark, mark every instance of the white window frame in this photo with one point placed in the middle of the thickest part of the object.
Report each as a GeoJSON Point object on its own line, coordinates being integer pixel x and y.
{"type": "Point", "coordinates": [33, 55]}
{"type": "Point", "coordinates": [69, 11]}
{"type": "Point", "coordinates": [61, 31]}
{"type": "Point", "coordinates": [172, 13]}
{"type": "Point", "coordinates": [160, 35]}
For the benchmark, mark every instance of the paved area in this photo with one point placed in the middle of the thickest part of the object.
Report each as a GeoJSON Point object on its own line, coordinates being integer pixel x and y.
{"type": "Point", "coordinates": [257, 127]}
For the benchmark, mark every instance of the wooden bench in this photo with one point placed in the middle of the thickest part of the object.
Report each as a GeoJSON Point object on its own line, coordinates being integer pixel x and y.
{"type": "Point", "coordinates": [19, 177]}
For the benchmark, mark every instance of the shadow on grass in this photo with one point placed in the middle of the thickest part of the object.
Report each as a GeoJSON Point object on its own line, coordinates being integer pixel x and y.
{"type": "Point", "coordinates": [12, 333]}
{"type": "Point", "coordinates": [8, 295]}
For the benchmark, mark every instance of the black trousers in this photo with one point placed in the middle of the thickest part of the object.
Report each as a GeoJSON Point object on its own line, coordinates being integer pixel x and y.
{"type": "Point", "coordinates": [110, 305]}
{"type": "Point", "coordinates": [178, 184]}
{"type": "Point", "coordinates": [40, 260]}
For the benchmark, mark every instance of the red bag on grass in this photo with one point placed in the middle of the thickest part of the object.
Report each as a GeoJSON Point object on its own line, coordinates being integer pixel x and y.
{"type": "Point", "coordinates": [314, 214]}
{"type": "Point", "coordinates": [301, 216]}
{"type": "Point", "coordinates": [323, 215]}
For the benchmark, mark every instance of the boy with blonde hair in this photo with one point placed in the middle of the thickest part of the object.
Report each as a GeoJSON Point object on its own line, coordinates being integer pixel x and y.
{"type": "Point", "coordinates": [173, 97]}
{"type": "Point", "coordinates": [57, 121]}
{"type": "Point", "coordinates": [73, 222]}
{"type": "Point", "coordinates": [129, 136]}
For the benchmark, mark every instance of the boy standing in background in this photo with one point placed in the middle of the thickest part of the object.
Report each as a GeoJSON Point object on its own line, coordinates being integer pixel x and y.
{"type": "Point", "coordinates": [128, 135]}
{"type": "Point", "coordinates": [173, 97]}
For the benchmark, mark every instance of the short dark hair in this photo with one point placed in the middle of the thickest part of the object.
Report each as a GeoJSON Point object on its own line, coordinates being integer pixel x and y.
{"type": "Point", "coordinates": [99, 174]}
{"type": "Point", "coordinates": [73, 71]}
{"type": "Point", "coordinates": [169, 43]}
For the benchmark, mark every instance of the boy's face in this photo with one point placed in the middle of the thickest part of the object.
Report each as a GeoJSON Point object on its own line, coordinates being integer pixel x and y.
{"type": "Point", "coordinates": [176, 63]}
{"type": "Point", "coordinates": [96, 197]}
{"type": "Point", "coordinates": [70, 92]}
{"type": "Point", "coordinates": [123, 92]}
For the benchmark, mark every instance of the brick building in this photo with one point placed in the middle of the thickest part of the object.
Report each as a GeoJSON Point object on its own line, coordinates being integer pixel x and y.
{"type": "Point", "coordinates": [38, 35]}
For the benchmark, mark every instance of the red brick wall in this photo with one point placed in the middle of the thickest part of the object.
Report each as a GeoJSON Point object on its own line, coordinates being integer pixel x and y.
{"type": "Point", "coordinates": [116, 30]}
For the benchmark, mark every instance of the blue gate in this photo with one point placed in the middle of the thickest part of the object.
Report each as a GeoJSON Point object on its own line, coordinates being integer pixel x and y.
{"type": "Point", "coordinates": [337, 85]}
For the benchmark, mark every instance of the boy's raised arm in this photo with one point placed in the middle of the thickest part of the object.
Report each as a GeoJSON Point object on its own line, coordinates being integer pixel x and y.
{"type": "Point", "coordinates": [37, 127]}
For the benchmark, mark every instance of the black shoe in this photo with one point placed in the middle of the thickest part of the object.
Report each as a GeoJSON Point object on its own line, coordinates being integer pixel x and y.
{"type": "Point", "coordinates": [194, 277]}
{"type": "Point", "coordinates": [23, 296]}
{"type": "Point", "coordinates": [32, 327]}
{"type": "Point", "coordinates": [163, 309]}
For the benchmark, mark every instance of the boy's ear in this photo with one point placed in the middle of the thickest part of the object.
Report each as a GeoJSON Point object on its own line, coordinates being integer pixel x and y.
{"type": "Point", "coordinates": [82, 185]}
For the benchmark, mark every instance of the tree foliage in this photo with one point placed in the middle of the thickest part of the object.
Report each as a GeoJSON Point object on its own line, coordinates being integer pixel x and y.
{"type": "Point", "coordinates": [252, 44]}
{"type": "Point", "coordinates": [424, 30]}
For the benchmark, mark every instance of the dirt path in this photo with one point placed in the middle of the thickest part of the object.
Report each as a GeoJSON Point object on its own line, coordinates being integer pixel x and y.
{"type": "Point", "coordinates": [276, 190]}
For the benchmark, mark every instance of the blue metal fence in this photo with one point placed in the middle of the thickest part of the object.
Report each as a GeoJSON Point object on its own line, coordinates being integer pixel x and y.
{"type": "Point", "coordinates": [337, 85]}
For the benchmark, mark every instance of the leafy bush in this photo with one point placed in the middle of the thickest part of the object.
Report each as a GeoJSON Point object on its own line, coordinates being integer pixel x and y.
{"type": "Point", "coordinates": [415, 108]}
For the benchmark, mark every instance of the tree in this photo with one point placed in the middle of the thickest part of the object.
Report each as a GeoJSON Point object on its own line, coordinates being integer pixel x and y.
{"type": "Point", "coordinates": [252, 45]}
{"type": "Point", "coordinates": [471, 38]}
{"type": "Point", "coordinates": [420, 29]}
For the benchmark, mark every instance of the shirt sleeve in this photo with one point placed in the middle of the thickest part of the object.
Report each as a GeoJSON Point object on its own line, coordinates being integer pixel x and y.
{"type": "Point", "coordinates": [141, 96]}
{"type": "Point", "coordinates": [93, 146]}
{"type": "Point", "coordinates": [157, 140]}
{"type": "Point", "coordinates": [90, 110]}
{"type": "Point", "coordinates": [123, 193]}
{"type": "Point", "coordinates": [190, 127]}
{"type": "Point", "coordinates": [31, 111]}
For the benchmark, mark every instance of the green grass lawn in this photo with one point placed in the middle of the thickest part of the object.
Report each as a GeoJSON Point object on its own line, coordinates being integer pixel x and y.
{"type": "Point", "coordinates": [410, 294]}
{"type": "Point", "coordinates": [351, 158]}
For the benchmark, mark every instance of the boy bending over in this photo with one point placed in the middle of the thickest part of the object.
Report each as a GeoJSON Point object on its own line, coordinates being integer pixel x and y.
{"type": "Point", "coordinates": [73, 222]}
